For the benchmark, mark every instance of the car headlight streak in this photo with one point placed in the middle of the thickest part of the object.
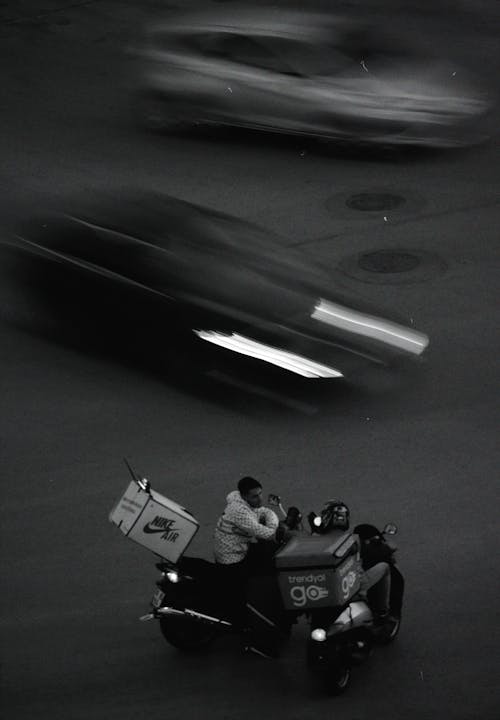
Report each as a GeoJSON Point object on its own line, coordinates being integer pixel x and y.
{"type": "Point", "coordinates": [276, 356]}
{"type": "Point", "coordinates": [370, 326]}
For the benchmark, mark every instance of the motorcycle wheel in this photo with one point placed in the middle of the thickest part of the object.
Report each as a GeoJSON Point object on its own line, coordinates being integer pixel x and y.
{"type": "Point", "coordinates": [186, 634]}
{"type": "Point", "coordinates": [337, 678]}
{"type": "Point", "coordinates": [331, 675]}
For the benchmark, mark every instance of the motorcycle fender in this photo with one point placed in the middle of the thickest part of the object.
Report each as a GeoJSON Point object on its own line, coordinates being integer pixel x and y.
{"type": "Point", "coordinates": [355, 615]}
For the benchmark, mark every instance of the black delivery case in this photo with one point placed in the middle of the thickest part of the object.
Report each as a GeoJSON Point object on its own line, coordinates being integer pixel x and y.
{"type": "Point", "coordinates": [316, 571]}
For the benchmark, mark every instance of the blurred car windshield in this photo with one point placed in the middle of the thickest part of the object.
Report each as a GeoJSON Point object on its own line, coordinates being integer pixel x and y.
{"type": "Point", "coordinates": [322, 52]}
{"type": "Point", "coordinates": [238, 48]}
{"type": "Point", "coordinates": [312, 60]}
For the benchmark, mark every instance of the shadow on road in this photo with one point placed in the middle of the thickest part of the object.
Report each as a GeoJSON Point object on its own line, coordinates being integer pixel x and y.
{"type": "Point", "coordinates": [355, 151]}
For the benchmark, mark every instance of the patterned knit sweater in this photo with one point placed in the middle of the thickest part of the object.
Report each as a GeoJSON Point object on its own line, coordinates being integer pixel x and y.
{"type": "Point", "coordinates": [239, 525]}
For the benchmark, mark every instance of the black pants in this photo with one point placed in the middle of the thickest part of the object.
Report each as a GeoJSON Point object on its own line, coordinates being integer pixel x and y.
{"type": "Point", "coordinates": [234, 580]}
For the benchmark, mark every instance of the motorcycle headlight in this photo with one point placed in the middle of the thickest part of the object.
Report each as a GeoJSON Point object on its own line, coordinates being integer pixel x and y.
{"type": "Point", "coordinates": [318, 634]}
{"type": "Point", "coordinates": [173, 576]}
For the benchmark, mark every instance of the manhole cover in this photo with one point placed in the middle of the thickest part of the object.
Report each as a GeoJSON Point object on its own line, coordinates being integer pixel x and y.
{"type": "Point", "coordinates": [388, 261]}
{"type": "Point", "coordinates": [392, 266]}
{"type": "Point", "coordinates": [373, 202]}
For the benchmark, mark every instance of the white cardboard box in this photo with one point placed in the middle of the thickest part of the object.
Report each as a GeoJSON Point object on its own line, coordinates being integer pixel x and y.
{"type": "Point", "coordinates": [154, 521]}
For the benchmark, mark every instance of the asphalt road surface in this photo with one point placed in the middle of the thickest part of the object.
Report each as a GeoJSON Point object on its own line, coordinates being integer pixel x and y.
{"type": "Point", "coordinates": [416, 446]}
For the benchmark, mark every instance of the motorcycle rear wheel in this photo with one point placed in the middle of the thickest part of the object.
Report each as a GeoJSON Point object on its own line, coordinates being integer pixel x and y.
{"type": "Point", "coordinates": [186, 634]}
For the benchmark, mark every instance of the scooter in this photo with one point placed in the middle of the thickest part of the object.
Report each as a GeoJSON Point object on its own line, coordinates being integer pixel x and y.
{"type": "Point", "coordinates": [344, 636]}
{"type": "Point", "coordinates": [191, 600]}
{"type": "Point", "coordinates": [301, 574]}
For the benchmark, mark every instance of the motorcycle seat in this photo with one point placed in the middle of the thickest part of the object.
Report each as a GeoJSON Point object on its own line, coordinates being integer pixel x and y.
{"type": "Point", "coordinates": [198, 567]}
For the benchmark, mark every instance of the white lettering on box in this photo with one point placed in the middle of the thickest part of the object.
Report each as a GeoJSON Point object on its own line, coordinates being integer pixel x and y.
{"type": "Point", "coordinates": [131, 502]}
{"type": "Point", "coordinates": [306, 578]}
{"type": "Point", "coordinates": [300, 594]}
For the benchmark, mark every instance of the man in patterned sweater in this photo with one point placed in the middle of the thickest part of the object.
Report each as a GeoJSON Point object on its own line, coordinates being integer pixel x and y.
{"type": "Point", "coordinates": [243, 522]}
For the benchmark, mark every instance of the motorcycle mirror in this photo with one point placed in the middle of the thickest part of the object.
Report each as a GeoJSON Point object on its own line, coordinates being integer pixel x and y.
{"type": "Point", "coordinates": [390, 529]}
{"type": "Point", "coordinates": [274, 500]}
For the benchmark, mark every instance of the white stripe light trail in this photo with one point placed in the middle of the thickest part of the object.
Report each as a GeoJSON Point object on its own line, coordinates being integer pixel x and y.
{"type": "Point", "coordinates": [370, 326]}
{"type": "Point", "coordinates": [281, 358]}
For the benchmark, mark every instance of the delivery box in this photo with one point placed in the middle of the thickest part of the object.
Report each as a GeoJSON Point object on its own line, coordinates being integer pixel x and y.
{"type": "Point", "coordinates": [317, 571]}
{"type": "Point", "coordinates": [154, 521]}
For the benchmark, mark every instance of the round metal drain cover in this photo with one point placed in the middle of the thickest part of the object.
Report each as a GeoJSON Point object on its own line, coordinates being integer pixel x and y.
{"type": "Point", "coordinates": [392, 266]}
{"type": "Point", "coordinates": [374, 202]}
{"type": "Point", "coordinates": [388, 261]}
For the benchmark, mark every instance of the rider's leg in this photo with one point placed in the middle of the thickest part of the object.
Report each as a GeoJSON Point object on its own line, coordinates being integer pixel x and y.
{"type": "Point", "coordinates": [234, 577]}
{"type": "Point", "coordinates": [378, 578]}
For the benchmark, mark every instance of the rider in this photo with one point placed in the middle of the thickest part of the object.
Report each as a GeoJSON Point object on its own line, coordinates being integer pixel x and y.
{"type": "Point", "coordinates": [335, 515]}
{"type": "Point", "coordinates": [243, 523]}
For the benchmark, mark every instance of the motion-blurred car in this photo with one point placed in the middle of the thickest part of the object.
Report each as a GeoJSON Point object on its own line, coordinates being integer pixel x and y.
{"type": "Point", "coordinates": [306, 73]}
{"type": "Point", "coordinates": [231, 283]}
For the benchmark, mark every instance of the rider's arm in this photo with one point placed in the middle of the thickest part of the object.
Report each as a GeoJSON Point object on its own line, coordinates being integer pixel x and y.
{"type": "Point", "coordinates": [248, 522]}
{"type": "Point", "coordinates": [268, 517]}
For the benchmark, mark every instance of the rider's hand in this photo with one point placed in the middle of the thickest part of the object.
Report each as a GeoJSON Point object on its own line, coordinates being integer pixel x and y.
{"type": "Point", "coordinates": [283, 533]}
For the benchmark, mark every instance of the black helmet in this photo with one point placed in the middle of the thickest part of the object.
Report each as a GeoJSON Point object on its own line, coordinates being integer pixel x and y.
{"type": "Point", "coordinates": [335, 516]}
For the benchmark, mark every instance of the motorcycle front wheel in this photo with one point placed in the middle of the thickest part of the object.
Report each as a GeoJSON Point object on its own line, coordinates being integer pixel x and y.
{"type": "Point", "coordinates": [187, 634]}
{"type": "Point", "coordinates": [336, 678]}
{"type": "Point", "coordinates": [331, 671]}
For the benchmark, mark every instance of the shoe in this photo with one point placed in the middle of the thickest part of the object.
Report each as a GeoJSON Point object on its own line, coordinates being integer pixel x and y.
{"type": "Point", "coordinates": [389, 617]}
{"type": "Point", "coordinates": [380, 619]}
{"type": "Point", "coordinates": [383, 624]}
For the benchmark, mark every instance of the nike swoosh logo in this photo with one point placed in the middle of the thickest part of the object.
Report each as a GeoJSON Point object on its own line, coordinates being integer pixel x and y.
{"type": "Point", "coordinates": [150, 530]}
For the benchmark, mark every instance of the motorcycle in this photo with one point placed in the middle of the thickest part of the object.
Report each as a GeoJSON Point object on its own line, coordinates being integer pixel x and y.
{"type": "Point", "coordinates": [316, 575]}
{"type": "Point", "coordinates": [345, 635]}
{"type": "Point", "coordinates": [192, 601]}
